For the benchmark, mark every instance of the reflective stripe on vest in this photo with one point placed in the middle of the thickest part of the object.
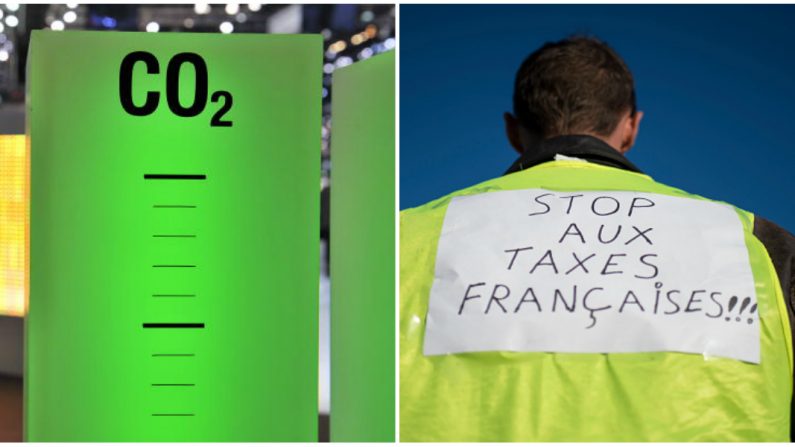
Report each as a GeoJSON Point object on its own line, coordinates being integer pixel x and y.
{"type": "Point", "coordinates": [510, 395]}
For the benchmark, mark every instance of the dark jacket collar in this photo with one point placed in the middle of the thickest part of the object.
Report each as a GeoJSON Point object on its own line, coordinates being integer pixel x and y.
{"type": "Point", "coordinates": [585, 147]}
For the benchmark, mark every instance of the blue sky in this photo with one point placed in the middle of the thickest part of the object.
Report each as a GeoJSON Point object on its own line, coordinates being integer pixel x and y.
{"type": "Point", "coordinates": [716, 83]}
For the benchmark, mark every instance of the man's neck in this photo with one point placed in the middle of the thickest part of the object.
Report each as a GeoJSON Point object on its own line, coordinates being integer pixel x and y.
{"type": "Point", "coordinates": [586, 147]}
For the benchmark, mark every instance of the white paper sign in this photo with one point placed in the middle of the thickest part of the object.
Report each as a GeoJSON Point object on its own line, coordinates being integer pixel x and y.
{"type": "Point", "coordinates": [592, 272]}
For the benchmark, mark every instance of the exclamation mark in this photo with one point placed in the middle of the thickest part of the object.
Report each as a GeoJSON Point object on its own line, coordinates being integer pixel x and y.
{"type": "Point", "coordinates": [751, 312]}
{"type": "Point", "coordinates": [745, 304]}
{"type": "Point", "coordinates": [732, 304]}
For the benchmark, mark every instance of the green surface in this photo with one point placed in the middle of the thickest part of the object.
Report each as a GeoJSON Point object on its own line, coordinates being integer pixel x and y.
{"type": "Point", "coordinates": [90, 365]}
{"type": "Point", "coordinates": [363, 252]}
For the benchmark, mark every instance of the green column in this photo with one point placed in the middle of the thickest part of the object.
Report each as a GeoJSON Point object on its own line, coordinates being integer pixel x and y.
{"type": "Point", "coordinates": [174, 259]}
{"type": "Point", "coordinates": [363, 251]}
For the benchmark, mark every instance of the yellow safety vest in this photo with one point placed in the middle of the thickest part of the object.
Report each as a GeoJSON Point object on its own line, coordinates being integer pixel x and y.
{"type": "Point", "coordinates": [537, 396]}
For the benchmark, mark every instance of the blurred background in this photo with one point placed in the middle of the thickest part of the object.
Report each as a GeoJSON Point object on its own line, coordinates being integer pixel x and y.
{"type": "Point", "coordinates": [350, 32]}
{"type": "Point", "coordinates": [715, 83]}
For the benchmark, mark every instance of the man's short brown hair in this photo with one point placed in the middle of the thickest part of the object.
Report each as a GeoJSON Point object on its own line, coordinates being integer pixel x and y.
{"type": "Point", "coordinates": [576, 85]}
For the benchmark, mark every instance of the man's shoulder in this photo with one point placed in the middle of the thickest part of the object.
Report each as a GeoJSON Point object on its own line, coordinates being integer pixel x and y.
{"type": "Point", "coordinates": [420, 224]}
{"type": "Point", "coordinates": [776, 235]}
{"type": "Point", "coordinates": [780, 246]}
{"type": "Point", "coordinates": [435, 209]}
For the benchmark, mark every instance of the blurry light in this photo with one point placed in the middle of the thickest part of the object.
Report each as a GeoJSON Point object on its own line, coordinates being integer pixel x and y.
{"type": "Point", "coordinates": [325, 92]}
{"type": "Point", "coordinates": [71, 5]}
{"type": "Point", "coordinates": [343, 62]}
{"type": "Point", "coordinates": [202, 8]}
{"type": "Point", "coordinates": [328, 68]}
{"type": "Point", "coordinates": [367, 16]}
{"type": "Point", "coordinates": [188, 23]}
{"type": "Point", "coordinates": [1, 30]}
{"type": "Point", "coordinates": [69, 16]}
{"type": "Point", "coordinates": [57, 25]}
{"type": "Point", "coordinates": [12, 21]}
{"type": "Point", "coordinates": [389, 43]}
{"type": "Point", "coordinates": [4, 55]}
{"type": "Point", "coordinates": [366, 53]}
{"type": "Point", "coordinates": [338, 46]}
{"type": "Point", "coordinates": [152, 27]}
{"type": "Point", "coordinates": [254, 7]}
{"type": "Point", "coordinates": [226, 27]}
{"type": "Point", "coordinates": [371, 31]}
{"type": "Point", "coordinates": [357, 39]}
{"type": "Point", "coordinates": [241, 17]}
{"type": "Point", "coordinates": [232, 8]}
{"type": "Point", "coordinates": [12, 6]}
{"type": "Point", "coordinates": [326, 33]}
{"type": "Point", "coordinates": [109, 22]}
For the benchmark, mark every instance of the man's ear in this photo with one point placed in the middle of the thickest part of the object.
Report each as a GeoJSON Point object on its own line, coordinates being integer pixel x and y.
{"type": "Point", "coordinates": [512, 132]}
{"type": "Point", "coordinates": [631, 125]}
